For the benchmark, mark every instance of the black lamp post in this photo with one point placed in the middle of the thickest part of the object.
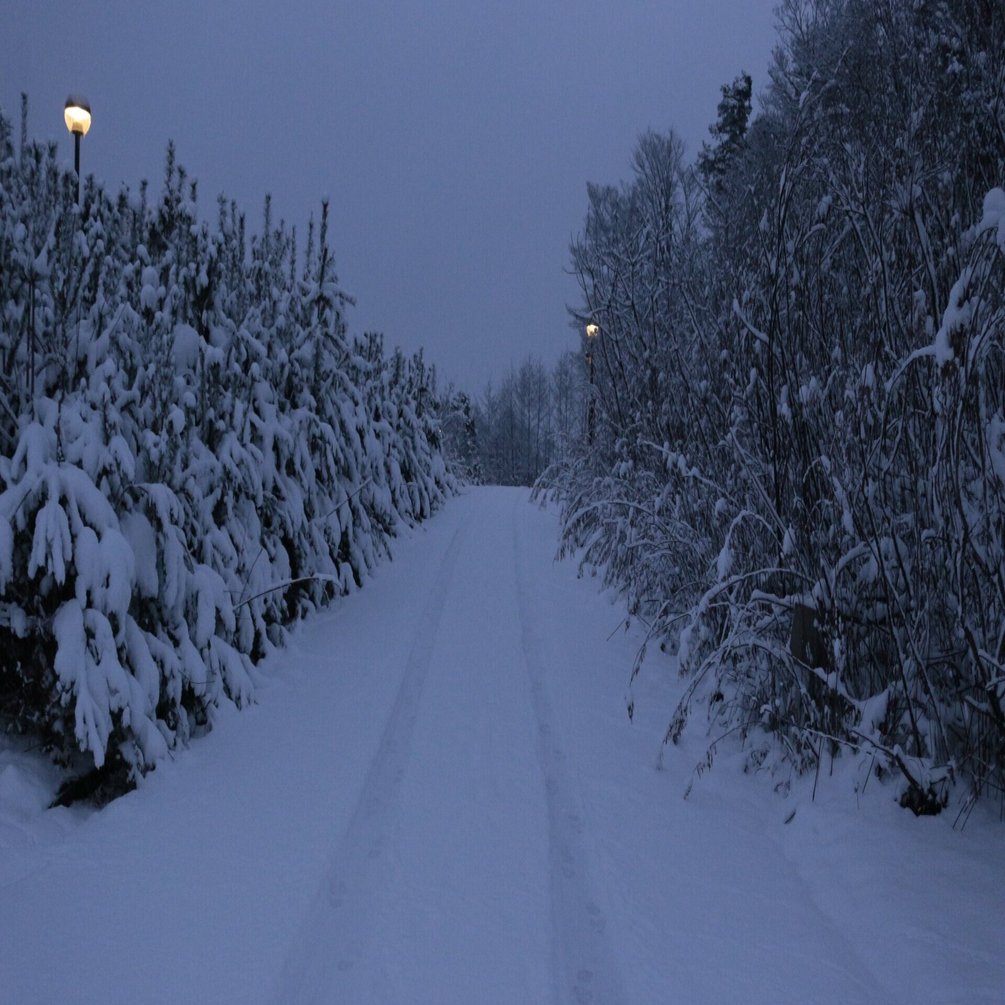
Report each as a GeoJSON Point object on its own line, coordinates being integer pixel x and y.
{"type": "Point", "coordinates": [592, 331]}
{"type": "Point", "coordinates": [77, 116]}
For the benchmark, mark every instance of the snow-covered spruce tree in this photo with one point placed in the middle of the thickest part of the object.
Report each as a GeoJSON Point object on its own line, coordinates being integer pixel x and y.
{"type": "Point", "coordinates": [817, 524]}
{"type": "Point", "coordinates": [460, 435]}
{"type": "Point", "coordinates": [190, 457]}
{"type": "Point", "coordinates": [412, 404]}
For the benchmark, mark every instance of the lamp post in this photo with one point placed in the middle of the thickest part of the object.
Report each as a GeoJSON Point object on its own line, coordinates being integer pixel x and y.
{"type": "Point", "coordinates": [77, 116]}
{"type": "Point", "coordinates": [592, 331]}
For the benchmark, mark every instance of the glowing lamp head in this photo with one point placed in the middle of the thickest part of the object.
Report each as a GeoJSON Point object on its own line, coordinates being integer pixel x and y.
{"type": "Point", "coordinates": [77, 115]}
{"type": "Point", "coordinates": [592, 331]}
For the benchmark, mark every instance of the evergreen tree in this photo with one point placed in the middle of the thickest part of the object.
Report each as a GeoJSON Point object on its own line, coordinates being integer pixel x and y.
{"type": "Point", "coordinates": [729, 131]}
{"type": "Point", "coordinates": [191, 457]}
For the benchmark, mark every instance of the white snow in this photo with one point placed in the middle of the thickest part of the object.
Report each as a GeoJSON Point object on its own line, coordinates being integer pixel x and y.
{"type": "Point", "coordinates": [994, 216]}
{"type": "Point", "coordinates": [440, 798]}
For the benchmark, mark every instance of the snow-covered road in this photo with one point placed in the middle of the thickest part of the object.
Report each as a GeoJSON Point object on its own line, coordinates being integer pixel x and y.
{"type": "Point", "coordinates": [439, 798]}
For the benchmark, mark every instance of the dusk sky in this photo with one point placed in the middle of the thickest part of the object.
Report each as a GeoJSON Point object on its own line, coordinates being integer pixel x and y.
{"type": "Point", "coordinates": [454, 139]}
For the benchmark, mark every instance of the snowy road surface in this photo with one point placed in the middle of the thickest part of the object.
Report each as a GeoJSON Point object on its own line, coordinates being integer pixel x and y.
{"type": "Point", "coordinates": [439, 798]}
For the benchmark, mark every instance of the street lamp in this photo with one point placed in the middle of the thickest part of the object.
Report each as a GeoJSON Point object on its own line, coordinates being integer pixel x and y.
{"type": "Point", "coordinates": [592, 331]}
{"type": "Point", "coordinates": [77, 116]}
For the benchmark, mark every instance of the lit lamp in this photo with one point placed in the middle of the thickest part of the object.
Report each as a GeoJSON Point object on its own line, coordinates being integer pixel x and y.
{"type": "Point", "coordinates": [592, 331]}
{"type": "Point", "coordinates": [77, 116]}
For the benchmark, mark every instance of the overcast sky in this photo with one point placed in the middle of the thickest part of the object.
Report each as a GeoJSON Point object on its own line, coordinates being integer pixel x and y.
{"type": "Point", "coordinates": [453, 137]}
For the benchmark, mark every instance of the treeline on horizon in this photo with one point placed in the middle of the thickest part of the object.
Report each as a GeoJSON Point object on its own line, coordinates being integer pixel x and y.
{"type": "Point", "coordinates": [520, 425]}
{"type": "Point", "coordinates": [798, 477]}
{"type": "Point", "coordinates": [193, 455]}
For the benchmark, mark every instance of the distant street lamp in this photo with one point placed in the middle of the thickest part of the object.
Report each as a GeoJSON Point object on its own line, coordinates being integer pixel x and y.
{"type": "Point", "coordinates": [592, 331]}
{"type": "Point", "coordinates": [77, 116]}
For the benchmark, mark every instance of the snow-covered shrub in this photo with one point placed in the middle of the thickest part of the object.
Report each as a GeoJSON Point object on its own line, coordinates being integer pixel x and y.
{"type": "Point", "coordinates": [797, 470]}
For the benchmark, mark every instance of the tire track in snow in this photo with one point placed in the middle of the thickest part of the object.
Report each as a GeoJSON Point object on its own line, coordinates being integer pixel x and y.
{"type": "Point", "coordinates": [322, 965]}
{"type": "Point", "coordinates": [585, 967]}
